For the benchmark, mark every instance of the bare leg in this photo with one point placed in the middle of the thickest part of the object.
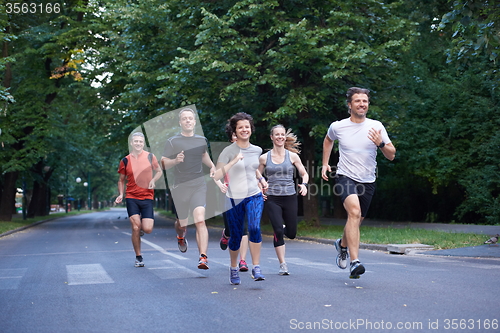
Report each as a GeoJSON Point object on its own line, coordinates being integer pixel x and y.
{"type": "Point", "coordinates": [255, 252]}
{"type": "Point", "coordinates": [201, 229]}
{"type": "Point", "coordinates": [244, 247]}
{"type": "Point", "coordinates": [135, 223]}
{"type": "Point", "coordinates": [180, 227]}
{"type": "Point", "coordinates": [280, 253]}
{"type": "Point", "coordinates": [350, 238]}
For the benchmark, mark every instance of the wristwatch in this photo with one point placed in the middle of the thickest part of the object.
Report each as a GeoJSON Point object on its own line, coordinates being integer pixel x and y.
{"type": "Point", "coordinates": [382, 145]}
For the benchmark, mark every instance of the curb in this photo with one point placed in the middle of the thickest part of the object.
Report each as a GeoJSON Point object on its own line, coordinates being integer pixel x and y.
{"type": "Point", "coordinates": [375, 247]}
{"type": "Point", "coordinates": [26, 227]}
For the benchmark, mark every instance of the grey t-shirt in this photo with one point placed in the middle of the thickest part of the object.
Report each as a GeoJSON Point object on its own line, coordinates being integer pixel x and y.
{"type": "Point", "coordinates": [243, 181]}
{"type": "Point", "coordinates": [191, 170]}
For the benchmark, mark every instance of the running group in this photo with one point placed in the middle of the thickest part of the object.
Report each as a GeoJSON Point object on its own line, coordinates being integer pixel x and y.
{"type": "Point", "coordinates": [250, 181]}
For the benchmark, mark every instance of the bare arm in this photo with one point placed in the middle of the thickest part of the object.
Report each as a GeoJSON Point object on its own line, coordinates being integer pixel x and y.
{"type": "Point", "coordinates": [208, 162]}
{"type": "Point", "coordinates": [168, 163]}
{"type": "Point", "coordinates": [121, 187]}
{"type": "Point", "coordinates": [389, 151]}
{"type": "Point", "coordinates": [223, 168]}
{"type": "Point", "coordinates": [302, 172]}
{"type": "Point", "coordinates": [327, 150]}
{"type": "Point", "coordinates": [157, 174]}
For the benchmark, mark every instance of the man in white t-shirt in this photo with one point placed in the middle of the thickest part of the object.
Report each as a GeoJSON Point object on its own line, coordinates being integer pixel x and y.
{"type": "Point", "coordinates": [359, 140]}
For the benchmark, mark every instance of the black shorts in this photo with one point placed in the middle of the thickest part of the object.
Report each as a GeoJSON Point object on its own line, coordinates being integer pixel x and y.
{"type": "Point", "coordinates": [345, 186]}
{"type": "Point", "coordinates": [144, 208]}
{"type": "Point", "coordinates": [186, 198]}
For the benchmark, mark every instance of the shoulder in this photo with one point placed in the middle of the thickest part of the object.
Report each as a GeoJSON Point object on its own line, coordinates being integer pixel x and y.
{"type": "Point", "coordinates": [373, 122]}
{"type": "Point", "coordinates": [263, 158]}
{"type": "Point", "coordinates": [255, 148]}
{"type": "Point", "coordinates": [295, 158]}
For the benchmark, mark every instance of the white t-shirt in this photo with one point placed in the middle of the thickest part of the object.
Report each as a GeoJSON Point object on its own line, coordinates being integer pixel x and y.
{"type": "Point", "coordinates": [242, 178]}
{"type": "Point", "coordinates": [357, 152]}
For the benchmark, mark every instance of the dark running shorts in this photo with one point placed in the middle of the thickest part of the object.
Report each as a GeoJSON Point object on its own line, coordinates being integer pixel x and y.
{"type": "Point", "coordinates": [186, 198]}
{"type": "Point", "coordinates": [144, 208]}
{"type": "Point", "coordinates": [345, 186]}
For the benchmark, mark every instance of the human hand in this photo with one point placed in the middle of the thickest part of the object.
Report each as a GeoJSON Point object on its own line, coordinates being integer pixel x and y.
{"type": "Point", "coordinates": [324, 170]}
{"type": "Point", "coordinates": [375, 136]}
{"type": "Point", "coordinates": [179, 158]}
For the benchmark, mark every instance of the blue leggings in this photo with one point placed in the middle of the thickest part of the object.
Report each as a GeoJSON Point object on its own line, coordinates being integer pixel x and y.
{"type": "Point", "coordinates": [251, 208]}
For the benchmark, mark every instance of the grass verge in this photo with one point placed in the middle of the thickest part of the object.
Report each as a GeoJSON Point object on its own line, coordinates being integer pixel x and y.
{"type": "Point", "coordinates": [384, 235]}
{"type": "Point", "coordinates": [369, 235]}
{"type": "Point", "coordinates": [18, 222]}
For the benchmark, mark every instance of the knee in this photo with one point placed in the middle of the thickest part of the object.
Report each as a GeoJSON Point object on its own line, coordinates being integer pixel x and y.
{"type": "Point", "coordinates": [354, 213]}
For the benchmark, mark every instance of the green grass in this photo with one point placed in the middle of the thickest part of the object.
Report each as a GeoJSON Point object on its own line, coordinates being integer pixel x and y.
{"type": "Point", "coordinates": [384, 235]}
{"type": "Point", "coordinates": [369, 235]}
{"type": "Point", "coordinates": [389, 235]}
{"type": "Point", "coordinates": [18, 222]}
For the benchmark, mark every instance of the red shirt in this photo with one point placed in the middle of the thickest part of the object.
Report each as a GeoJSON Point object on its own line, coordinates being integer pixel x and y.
{"type": "Point", "coordinates": [139, 173]}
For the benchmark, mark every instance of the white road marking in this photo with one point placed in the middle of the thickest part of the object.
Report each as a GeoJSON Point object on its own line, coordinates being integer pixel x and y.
{"type": "Point", "coordinates": [159, 248]}
{"type": "Point", "coordinates": [10, 278]}
{"type": "Point", "coordinates": [167, 269]}
{"type": "Point", "coordinates": [87, 274]}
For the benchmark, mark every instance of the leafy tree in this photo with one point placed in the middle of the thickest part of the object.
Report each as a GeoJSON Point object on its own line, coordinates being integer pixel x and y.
{"type": "Point", "coordinates": [287, 61]}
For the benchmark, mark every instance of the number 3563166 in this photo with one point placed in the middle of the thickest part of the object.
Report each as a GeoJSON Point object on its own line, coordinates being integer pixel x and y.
{"type": "Point", "coordinates": [32, 8]}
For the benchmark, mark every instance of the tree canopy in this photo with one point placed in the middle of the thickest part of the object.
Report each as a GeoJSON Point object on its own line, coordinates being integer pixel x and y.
{"type": "Point", "coordinates": [77, 82]}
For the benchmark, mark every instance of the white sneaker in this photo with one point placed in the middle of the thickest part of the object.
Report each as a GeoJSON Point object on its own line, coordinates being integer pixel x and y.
{"type": "Point", "coordinates": [283, 269]}
{"type": "Point", "coordinates": [341, 258]}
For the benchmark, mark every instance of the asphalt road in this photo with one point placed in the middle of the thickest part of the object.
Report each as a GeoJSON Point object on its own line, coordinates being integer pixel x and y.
{"type": "Point", "coordinates": [77, 274]}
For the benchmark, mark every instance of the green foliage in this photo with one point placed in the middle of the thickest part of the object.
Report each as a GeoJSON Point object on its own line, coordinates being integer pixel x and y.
{"type": "Point", "coordinates": [475, 28]}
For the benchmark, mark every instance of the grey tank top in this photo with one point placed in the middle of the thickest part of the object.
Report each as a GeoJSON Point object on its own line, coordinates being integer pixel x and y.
{"type": "Point", "coordinates": [280, 176]}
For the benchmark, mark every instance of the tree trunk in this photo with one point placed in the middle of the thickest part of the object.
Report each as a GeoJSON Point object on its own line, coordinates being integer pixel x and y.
{"type": "Point", "coordinates": [310, 201]}
{"type": "Point", "coordinates": [8, 198]}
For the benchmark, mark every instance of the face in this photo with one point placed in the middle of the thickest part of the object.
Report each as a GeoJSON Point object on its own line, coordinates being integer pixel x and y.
{"type": "Point", "coordinates": [187, 121]}
{"type": "Point", "coordinates": [243, 130]}
{"type": "Point", "coordinates": [137, 143]}
{"type": "Point", "coordinates": [359, 105]}
{"type": "Point", "coordinates": [278, 137]}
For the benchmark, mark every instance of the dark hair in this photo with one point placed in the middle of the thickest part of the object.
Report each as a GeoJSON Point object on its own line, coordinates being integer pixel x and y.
{"type": "Point", "coordinates": [229, 132]}
{"type": "Point", "coordinates": [240, 116]}
{"type": "Point", "coordinates": [355, 90]}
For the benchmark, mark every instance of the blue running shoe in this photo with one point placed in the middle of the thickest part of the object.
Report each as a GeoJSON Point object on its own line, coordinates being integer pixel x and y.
{"type": "Point", "coordinates": [234, 276]}
{"type": "Point", "coordinates": [356, 269]}
{"type": "Point", "coordinates": [257, 274]}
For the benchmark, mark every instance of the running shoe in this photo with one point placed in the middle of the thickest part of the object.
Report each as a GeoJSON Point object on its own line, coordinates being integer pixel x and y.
{"type": "Point", "coordinates": [234, 276]}
{"type": "Point", "coordinates": [356, 269]}
{"type": "Point", "coordinates": [341, 258]}
{"type": "Point", "coordinates": [283, 269]}
{"type": "Point", "coordinates": [257, 274]}
{"type": "Point", "coordinates": [243, 266]}
{"type": "Point", "coordinates": [139, 262]}
{"type": "Point", "coordinates": [223, 241]}
{"type": "Point", "coordinates": [141, 233]}
{"type": "Point", "coordinates": [182, 243]}
{"type": "Point", "coordinates": [203, 263]}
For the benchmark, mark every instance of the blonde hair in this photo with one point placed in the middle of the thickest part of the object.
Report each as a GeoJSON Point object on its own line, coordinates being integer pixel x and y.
{"type": "Point", "coordinates": [291, 142]}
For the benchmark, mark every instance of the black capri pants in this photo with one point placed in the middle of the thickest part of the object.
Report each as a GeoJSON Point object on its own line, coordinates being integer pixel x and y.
{"type": "Point", "coordinates": [282, 210]}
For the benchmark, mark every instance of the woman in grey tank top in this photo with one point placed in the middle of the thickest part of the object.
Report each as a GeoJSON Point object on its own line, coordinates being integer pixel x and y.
{"type": "Point", "coordinates": [280, 164]}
